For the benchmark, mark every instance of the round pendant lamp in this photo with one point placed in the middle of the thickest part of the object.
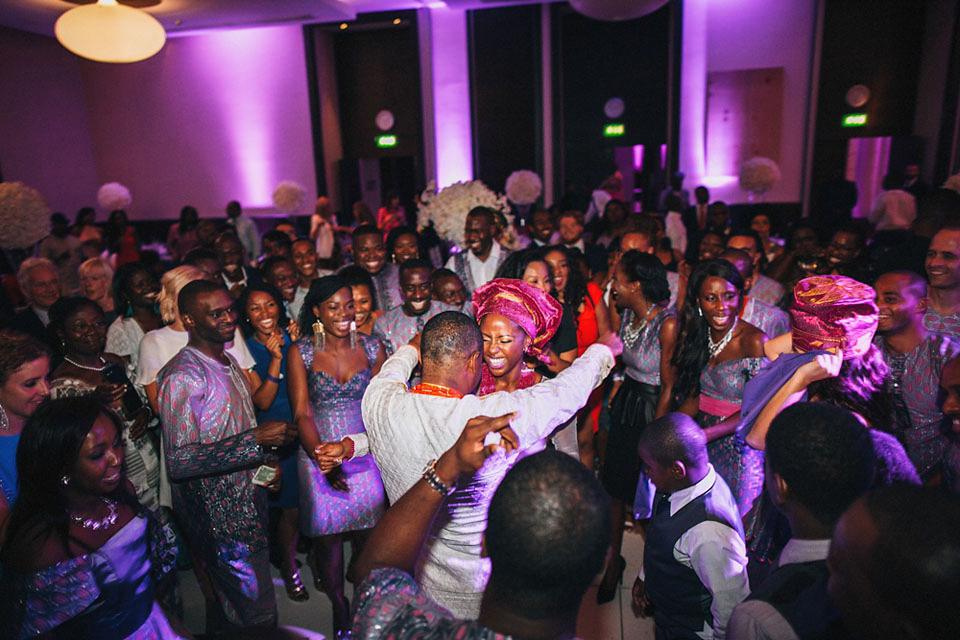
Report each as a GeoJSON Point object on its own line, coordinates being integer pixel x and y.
{"type": "Point", "coordinates": [110, 32]}
{"type": "Point", "coordinates": [616, 10]}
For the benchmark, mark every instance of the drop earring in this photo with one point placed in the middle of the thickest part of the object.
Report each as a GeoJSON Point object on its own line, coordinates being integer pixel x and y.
{"type": "Point", "coordinates": [699, 311]}
{"type": "Point", "coordinates": [319, 336]}
{"type": "Point", "coordinates": [65, 480]}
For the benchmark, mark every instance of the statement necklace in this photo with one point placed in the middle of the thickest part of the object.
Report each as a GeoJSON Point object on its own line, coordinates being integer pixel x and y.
{"type": "Point", "coordinates": [630, 334]}
{"type": "Point", "coordinates": [83, 366]}
{"type": "Point", "coordinates": [4, 421]}
{"type": "Point", "coordinates": [716, 347]}
{"type": "Point", "coordinates": [102, 523]}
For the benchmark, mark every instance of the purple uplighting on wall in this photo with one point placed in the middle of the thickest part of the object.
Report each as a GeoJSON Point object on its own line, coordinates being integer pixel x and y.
{"type": "Point", "coordinates": [867, 162]}
{"type": "Point", "coordinates": [248, 91]}
{"type": "Point", "coordinates": [451, 95]}
{"type": "Point", "coordinates": [638, 157]}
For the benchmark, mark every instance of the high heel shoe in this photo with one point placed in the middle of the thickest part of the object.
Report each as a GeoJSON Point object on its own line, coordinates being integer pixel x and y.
{"type": "Point", "coordinates": [294, 586]}
{"type": "Point", "coordinates": [604, 593]}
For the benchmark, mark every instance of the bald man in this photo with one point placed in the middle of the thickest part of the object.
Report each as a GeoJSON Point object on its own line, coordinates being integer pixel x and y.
{"type": "Point", "coordinates": [408, 429]}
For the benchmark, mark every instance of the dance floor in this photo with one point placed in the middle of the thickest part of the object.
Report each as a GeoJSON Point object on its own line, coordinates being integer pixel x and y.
{"type": "Point", "coordinates": [612, 621]}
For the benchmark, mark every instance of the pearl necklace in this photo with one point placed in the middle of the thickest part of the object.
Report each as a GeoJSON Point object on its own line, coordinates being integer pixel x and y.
{"type": "Point", "coordinates": [716, 347]}
{"type": "Point", "coordinates": [83, 366]}
{"type": "Point", "coordinates": [102, 523]}
{"type": "Point", "coordinates": [629, 335]}
{"type": "Point", "coordinates": [4, 421]}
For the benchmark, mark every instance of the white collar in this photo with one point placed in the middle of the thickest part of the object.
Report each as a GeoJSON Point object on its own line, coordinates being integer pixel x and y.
{"type": "Point", "coordinates": [797, 551]}
{"type": "Point", "coordinates": [242, 281]}
{"type": "Point", "coordinates": [493, 255]}
{"type": "Point", "coordinates": [579, 244]}
{"type": "Point", "coordinates": [680, 499]}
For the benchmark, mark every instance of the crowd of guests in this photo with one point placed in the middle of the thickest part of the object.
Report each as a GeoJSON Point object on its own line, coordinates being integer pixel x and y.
{"type": "Point", "coordinates": [779, 419]}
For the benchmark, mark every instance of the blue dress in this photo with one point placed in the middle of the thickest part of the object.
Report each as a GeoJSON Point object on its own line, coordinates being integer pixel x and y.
{"type": "Point", "coordinates": [105, 594]}
{"type": "Point", "coordinates": [289, 495]}
{"type": "Point", "coordinates": [738, 464]}
{"type": "Point", "coordinates": [336, 413]}
{"type": "Point", "coordinates": [8, 468]}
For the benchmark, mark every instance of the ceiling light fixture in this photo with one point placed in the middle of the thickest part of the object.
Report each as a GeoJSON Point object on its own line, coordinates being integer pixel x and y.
{"type": "Point", "coordinates": [110, 32]}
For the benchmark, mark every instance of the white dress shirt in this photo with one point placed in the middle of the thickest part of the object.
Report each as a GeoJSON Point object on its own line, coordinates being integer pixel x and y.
{"type": "Point", "coordinates": [482, 271]}
{"type": "Point", "coordinates": [406, 430]}
{"type": "Point", "coordinates": [759, 620]}
{"type": "Point", "coordinates": [717, 554]}
{"type": "Point", "coordinates": [676, 231]}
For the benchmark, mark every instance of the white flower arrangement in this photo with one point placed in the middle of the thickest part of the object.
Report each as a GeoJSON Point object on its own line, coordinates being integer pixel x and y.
{"type": "Point", "coordinates": [448, 209]}
{"type": "Point", "coordinates": [758, 175]}
{"type": "Point", "coordinates": [289, 196]}
{"type": "Point", "coordinates": [113, 195]}
{"type": "Point", "coordinates": [523, 187]}
{"type": "Point", "coordinates": [24, 216]}
{"type": "Point", "coordinates": [953, 182]}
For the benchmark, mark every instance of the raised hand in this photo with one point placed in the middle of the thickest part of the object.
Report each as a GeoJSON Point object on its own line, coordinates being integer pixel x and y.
{"type": "Point", "coordinates": [274, 346]}
{"type": "Point", "coordinates": [469, 452]}
{"type": "Point", "coordinates": [612, 342]}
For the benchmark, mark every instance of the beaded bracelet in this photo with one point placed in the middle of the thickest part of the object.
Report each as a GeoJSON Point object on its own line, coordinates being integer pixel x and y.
{"type": "Point", "coordinates": [348, 449]}
{"type": "Point", "coordinates": [430, 475]}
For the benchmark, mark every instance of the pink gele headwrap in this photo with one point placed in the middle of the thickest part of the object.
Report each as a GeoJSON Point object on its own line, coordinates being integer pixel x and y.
{"type": "Point", "coordinates": [833, 311]}
{"type": "Point", "coordinates": [530, 308]}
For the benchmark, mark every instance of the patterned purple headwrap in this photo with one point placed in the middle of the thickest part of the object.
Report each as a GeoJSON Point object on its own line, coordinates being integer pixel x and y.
{"type": "Point", "coordinates": [530, 308]}
{"type": "Point", "coordinates": [833, 311]}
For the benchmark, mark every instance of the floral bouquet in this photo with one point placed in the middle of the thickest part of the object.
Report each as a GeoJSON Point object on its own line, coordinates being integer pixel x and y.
{"type": "Point", "coordinates": [24, 216]}
{"type": "Point", "coordinates": [953, 182]}
{"type": "Point", "coordinates": [523, 187]}
{"type": "Point", "coordinates": [448, 208]}
{"type": "Point", "coordinates": [113, 195]}
{"type": "Point", "coordinates": [289, 196]}
{"type": "Point", "coordinates": [758, 175]}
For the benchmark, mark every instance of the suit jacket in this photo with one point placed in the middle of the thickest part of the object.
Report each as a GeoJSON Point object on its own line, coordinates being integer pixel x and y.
{"type": "Point", "coordinates": [27, 321]}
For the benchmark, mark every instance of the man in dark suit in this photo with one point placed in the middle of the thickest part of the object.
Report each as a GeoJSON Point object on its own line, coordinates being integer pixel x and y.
{"type": "Point", "coordinates": [570, 225]}
{"type": "Point", "coordinates": [233, 270]}
{"type": "Point", "coordinates": [40, 285]}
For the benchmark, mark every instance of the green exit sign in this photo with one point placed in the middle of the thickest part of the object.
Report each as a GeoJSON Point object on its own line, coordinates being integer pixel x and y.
{"type": "Point", "coordinates": [855, 120]}
{"type": "Point", "coordinates": [386, 141]}
{"type": "Point", "coordinates": [613, 130]}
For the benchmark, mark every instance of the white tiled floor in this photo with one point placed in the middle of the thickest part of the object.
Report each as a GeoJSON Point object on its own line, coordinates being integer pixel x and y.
{"type": "Point", "coordinates": [615, 620]}
{"type": "Point", "coordinates": [611, 621]}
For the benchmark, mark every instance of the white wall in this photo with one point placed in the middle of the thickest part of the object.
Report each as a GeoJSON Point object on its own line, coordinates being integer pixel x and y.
{"type": "Point", "coordinates": [755, 34]}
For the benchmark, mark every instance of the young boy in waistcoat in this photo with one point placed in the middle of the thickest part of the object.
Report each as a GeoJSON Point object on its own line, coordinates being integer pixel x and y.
{"type": "Point", "coordinates": [694, 561]}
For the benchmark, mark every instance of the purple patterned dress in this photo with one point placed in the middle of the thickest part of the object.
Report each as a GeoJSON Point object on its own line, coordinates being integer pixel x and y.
{"type": "Point", "coordinates": [721, 390]}
{"type": "Point", "coordinates": [107, 593]}
{"type": "Point", "coordinates": [336, 413]}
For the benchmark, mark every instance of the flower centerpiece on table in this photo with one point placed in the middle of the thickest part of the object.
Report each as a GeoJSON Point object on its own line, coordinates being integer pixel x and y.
{"type": "Point", "coordinates": [113, 195]}
{"type": "Point", "coordinates": [758, 175]}
{"type": "Point", "coordinates": [24, 216]}
{"type": "Point", "coordinates": [289, 196]}
{"type": "Point", "coordinates": [447, 209]}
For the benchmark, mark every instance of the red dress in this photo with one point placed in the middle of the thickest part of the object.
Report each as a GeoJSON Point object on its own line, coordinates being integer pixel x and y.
{"type": "Point", "coordinates": [587, 334]}
{"type": "Point", "coordinates": [587, 330]}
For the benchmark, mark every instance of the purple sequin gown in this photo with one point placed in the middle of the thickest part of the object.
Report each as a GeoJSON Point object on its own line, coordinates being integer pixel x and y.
{"type": "Point", "coordinates": [736, 462]}
{"type": "Point", "coordinates": [336, 413]}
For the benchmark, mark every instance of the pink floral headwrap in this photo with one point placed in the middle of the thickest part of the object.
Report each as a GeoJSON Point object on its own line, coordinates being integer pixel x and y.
{"type": "Point", "coordinates": [833, 311]}
{"type": "Point", "coordinates": [530, 308]}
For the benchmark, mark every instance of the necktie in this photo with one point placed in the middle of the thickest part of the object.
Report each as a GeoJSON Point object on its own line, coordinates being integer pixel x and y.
{"type": "Point", "coordinates": [663, 506]}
